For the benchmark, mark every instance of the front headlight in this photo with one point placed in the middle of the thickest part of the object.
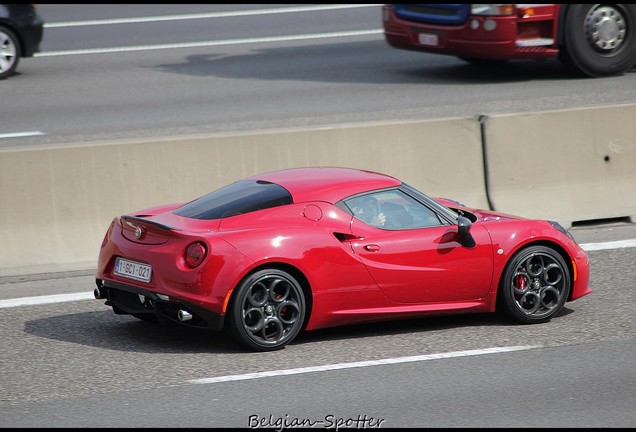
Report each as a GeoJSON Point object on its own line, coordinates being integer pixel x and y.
{"type": "Point", "coordinates": [559, 227]}
{"type": "Point", "coordinates": [491, 9]}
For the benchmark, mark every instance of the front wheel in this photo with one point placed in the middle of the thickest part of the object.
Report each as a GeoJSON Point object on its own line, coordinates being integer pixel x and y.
{"type": "Point", "coordinates": [267, 310]}
{"type": "Point", "coordinates": [535, 285]}
{"type": "Point", "coordinates": [9, 52]}
{"type": "Point", "coordinates": [599, 39]}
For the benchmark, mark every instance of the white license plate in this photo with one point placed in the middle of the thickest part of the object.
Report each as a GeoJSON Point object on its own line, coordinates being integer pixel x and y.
{"type": "Point", "coordinates": [133, 270]}
{"type": "Point", "coordinates": [428, 39]}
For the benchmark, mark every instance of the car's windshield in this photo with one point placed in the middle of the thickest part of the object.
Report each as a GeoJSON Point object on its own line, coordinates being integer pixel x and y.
{"type": "Point", "coordinates": [450, 214]}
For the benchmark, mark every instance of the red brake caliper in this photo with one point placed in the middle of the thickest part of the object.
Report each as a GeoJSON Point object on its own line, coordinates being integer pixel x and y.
{"type": "Point", "coordinates": [520, 282]}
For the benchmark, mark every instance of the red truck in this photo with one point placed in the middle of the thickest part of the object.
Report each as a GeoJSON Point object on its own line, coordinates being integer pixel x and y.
{"type": "Point", "coordinates": [591, 39]}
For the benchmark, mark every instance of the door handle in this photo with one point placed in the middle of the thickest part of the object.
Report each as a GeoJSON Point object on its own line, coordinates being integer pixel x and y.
{"type": "Point", "coordinates": [372, 247]}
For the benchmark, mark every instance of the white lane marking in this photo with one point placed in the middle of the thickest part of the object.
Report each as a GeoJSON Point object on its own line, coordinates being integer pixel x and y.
{"type": "Point", "coordinates": [205, 15]}
{"type": "Point", "coordinates": [210, 43]}
{"type": "Point", "coordinates": [21, 134]}
{"type": "Point", "coordinates": [59, 298]}
{"type": "Point", "coordinates": [618, 244]}
{"type": "Point", "coordinates": [55, 298]}
{"type": "Point", "coordinates": [338, 366]}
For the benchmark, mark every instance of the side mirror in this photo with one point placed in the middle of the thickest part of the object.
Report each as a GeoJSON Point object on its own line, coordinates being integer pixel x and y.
{"type": "Point", "coordinates": [463, 229]}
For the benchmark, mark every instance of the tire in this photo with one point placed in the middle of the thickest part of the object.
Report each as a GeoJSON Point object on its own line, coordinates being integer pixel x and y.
{"type": "Point", "coordinates": [535, 285]}
{"type": "Point", "coordinates": [598, 40]}
{"type": "Point", "coordinates": [10, 52]}
{"type": "Point", "coordinates": [267, 310]}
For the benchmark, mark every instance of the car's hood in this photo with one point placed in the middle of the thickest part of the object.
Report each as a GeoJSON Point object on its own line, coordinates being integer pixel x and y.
{"type": "Point", "coordinates": [481, 215]}
{"type": "Point", "coordinates": [488, 215]}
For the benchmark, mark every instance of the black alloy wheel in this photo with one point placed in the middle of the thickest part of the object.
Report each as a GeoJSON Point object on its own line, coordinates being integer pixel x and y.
{"type": "Point", "coordinates": [267, 310]}
{"type": "Point", "coordinates": [535, 285]}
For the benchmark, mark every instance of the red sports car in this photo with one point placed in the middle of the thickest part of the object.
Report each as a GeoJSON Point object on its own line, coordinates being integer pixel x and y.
{"type": "Point", "coordinates": [272, 255]}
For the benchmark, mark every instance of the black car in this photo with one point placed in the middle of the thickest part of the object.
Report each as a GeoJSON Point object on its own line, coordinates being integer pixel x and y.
{"type": "Point", "coordinates": [21, 30]}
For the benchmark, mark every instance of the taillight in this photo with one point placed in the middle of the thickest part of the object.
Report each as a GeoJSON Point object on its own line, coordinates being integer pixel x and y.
{"type": "Point", "coordinates": [195, 254]}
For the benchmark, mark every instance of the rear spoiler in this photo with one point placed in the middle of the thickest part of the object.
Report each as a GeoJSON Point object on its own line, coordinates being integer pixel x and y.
{"type": "Point", "coordinates": [148, 221]}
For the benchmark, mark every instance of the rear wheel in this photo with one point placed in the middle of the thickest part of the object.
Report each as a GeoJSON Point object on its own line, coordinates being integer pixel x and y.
{"type": "Point", "coordinates": [9, 52]}
{"type": "Point", "coordinates": [535, 285]}
{"type": "Point", "coordinates": [599, 39]}
{"type": "Point", "coordinates": [267, 310]}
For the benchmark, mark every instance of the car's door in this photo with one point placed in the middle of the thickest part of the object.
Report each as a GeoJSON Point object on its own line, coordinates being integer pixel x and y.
{"type": "Point", "coordinates": [425, 264]}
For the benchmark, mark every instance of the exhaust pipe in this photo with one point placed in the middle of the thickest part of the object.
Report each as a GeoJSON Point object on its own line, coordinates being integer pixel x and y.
{"type": "Point", "coordinates": [98, 294]}
{"type": "Point", "coordinates": [184, 315]}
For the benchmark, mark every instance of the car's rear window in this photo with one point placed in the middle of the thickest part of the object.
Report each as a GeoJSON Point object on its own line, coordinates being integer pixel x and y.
{"type": "Point", "coordinates": [241, 197]}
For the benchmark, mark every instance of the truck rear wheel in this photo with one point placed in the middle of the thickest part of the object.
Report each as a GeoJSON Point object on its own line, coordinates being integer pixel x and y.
{"type": "Point", "coordinates": [598, 39]}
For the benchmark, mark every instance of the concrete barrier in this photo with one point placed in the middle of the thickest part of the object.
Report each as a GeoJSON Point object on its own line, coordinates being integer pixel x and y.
{"type": "Point", "coordinates": [567, 165]}
{"type": "Point", "coordinates": [56, 202]}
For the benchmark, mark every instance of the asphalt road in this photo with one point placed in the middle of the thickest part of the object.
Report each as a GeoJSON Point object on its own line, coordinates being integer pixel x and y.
{"type": "Point", "coordinates": [98, 79]}
{"type": "Point", "coordinates": [76, 364]}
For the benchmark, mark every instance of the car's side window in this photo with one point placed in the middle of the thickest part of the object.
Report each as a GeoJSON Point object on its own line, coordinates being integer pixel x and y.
{"type": "Point", "coordinates": [392, 210]}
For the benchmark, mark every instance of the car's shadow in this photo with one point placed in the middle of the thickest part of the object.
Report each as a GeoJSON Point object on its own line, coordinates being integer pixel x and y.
{"type": "Point", "coordinates": [125, 333]}
{"type": "Point", "coordinates": [106, 330]}
{"type": "Point", "coordinates": [425, 324]}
